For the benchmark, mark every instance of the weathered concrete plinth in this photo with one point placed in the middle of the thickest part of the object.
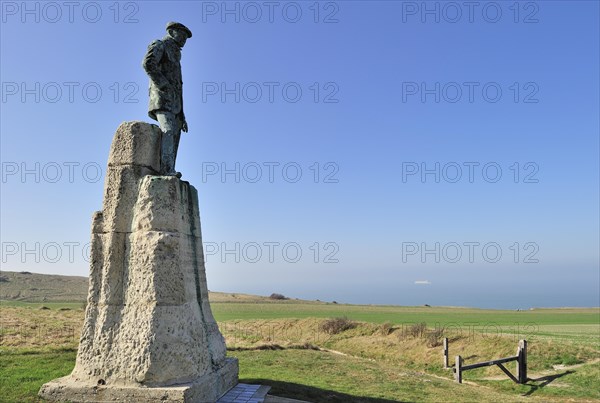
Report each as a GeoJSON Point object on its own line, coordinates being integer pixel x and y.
{"type": "Point", "coordinates": [149, 333]}
{"type": "Point", "coordinates": [207, 389]}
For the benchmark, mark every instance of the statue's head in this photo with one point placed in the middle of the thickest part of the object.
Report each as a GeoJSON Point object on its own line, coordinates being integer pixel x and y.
{"type": "Point", "coordinates": [179, 32]}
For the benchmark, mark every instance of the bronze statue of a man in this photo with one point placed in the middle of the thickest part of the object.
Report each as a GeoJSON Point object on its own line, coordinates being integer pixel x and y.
{"type": "Point", "coordinates": [162, 63]}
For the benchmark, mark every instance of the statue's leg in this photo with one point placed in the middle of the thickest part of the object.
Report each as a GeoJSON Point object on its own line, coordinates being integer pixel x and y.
{"type": "Point", "coordinates": [170, 140]}
{"type": "Point", "coordinates": [176, 138]}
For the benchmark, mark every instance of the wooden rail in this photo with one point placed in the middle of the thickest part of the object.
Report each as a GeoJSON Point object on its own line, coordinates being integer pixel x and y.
{"type": "Point", "coordinates": [520, 358]}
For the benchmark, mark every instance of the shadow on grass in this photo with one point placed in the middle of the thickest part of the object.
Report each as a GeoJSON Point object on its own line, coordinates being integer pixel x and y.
{"type": "Point", "coordinates": [545, 380]}
{"type": "Point", "coordinates": [312, 394]}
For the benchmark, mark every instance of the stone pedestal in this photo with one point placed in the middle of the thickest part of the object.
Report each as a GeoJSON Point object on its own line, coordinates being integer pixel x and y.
{"type": "Point", "coordinates": [149, 334]}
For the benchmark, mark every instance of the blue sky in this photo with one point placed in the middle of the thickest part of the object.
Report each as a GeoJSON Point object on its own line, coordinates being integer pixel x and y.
{"type": "Point", "coordinates": [357, 135]}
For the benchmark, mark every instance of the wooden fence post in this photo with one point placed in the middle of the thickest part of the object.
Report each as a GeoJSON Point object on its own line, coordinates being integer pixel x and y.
{"type": "Point", "coordinates": [445, 352]}
{"type": "Point", "coordinates": [458, 369]}
{"type": "Point", "coordinates": [522, 362]}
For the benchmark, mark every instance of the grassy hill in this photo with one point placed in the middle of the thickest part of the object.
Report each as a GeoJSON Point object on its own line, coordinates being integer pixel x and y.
{"type": "Point", "coordinates": [25, 286]}
{"type": "Point", "coordinates": [33, 287]}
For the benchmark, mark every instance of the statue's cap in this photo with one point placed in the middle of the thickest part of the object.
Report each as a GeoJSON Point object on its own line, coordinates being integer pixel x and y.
{"type": "Point", "coordinates": [180, 26]}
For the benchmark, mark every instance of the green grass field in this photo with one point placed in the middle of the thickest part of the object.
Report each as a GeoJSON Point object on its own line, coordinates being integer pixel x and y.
{"type": "Point", "coordinates": [395, 314]}
{"type": "Point", "coordinates": [281, 343]}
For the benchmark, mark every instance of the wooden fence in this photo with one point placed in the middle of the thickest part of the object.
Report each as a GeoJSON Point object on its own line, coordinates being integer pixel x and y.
{"type": "Point", "coordinates": [520, 358]}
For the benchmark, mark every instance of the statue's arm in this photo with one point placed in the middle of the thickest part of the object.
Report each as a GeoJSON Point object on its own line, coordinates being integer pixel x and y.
{"type": "Point", "coordinates": [151, 64]}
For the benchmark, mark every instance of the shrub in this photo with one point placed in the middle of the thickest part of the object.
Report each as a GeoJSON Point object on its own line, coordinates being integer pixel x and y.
{"type": "Point", "coordinates": [278, 296]}
{"type": "Point", "coordinates": [337, 325]}
{"type": "Point", "coordinates": [417, 329]}
{"type": "Point", "coordinates": [385, 328]}
{"type": "Point", "coordinates": [434, 338]}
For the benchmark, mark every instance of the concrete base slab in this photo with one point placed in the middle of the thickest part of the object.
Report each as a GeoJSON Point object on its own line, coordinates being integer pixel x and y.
{"type": "Point", "coordinates": [244, 393]}
{"type": "Point", "coordinates": [207, 389]}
